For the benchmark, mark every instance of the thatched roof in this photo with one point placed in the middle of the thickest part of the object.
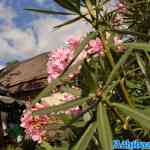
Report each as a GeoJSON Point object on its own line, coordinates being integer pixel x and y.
{"type": "Point", "coordinates": [27, 76]}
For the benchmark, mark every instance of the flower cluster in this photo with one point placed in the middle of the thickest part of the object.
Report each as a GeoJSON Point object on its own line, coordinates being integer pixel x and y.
{"type": "Point", "coordinates": [120, 10]}
{"type": "Point", "coordinates": [60, 58]}
{"type": "Point", "coordinates": [33, 125]}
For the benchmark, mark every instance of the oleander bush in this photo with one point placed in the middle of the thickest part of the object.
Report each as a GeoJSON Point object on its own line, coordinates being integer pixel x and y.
{"type": "Point", "coordinates": [102, 78]}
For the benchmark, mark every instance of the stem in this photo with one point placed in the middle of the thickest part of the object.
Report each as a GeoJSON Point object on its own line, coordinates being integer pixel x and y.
{"type": "Point", "coordinates": [112, 63]}
{"type": "Point", "coordinates": [115, 112]}
{"type": "Point", "coordinates": [90, 9]}
{"type": "Point", "coordinates": [125, 92]}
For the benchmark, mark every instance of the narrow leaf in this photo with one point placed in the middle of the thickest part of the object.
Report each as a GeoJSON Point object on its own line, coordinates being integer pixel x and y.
{"type": "Point", "coordinates": [142, 65]}
{"type": "Point", "coordinates": [68, 22]}
{"type": "Point", "coordinates": [71, 5]}
{"type": "Point", "coordinates": [131, 33]}
{"type": "Point", "coordinates": [141, 118]}
{"type": "Point", "coordinates": [117, 66]}
{"type": "Point", "coordinates": [46, 146]}
{"type": "Point", "coordinates": [103, 126]}
{"type": "Point", "coordinates": [51, 12]}
{"type": "Point", "coordinates": [138, 46]}
{"type": "Point", "coordinates": [85, 138]}
{"type": "Point", "coordinates": [62, 107]}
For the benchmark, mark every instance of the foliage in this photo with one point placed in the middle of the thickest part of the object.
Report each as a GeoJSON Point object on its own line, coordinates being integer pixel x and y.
{"type": "Point", "coordinates": [10, 147]}
{"type": "Point", "coordinates": [115, 87]}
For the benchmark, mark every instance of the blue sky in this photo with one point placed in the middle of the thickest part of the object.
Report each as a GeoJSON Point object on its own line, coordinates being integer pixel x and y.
{"type": "Point", "coordinates": [25, 34]}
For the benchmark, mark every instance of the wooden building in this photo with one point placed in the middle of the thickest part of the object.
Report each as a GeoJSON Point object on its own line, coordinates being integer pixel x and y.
{"type": "Point", "coordinates": [20, 82]}
{"type": "Point", "coordinates": [26, 78]}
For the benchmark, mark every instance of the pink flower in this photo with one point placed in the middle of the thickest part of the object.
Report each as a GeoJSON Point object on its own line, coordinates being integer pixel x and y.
{"type": "Point", "coordinates": [58, 61]}
{"type": "Point", "coordinates": [60, 58]}
{"type": "Point", "coordinates": [73, 111]}
{"type": "Point", "coordinates": [33, 125]}
{"type": "Point", "coordinates": [121, 8]}
{"type": "Point", "coordinates": [38, 106]}
{"type": "Point", "coordinates": [37, 135]}
{"type": "Point", "coordinates": [73, 42]}
{"type": "Point", "coordinates": [95, 46]}
{"type": "Point", "coordinates": [118, 43]}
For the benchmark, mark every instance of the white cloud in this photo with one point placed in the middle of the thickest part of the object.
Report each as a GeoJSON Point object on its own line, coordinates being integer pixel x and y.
{"type": "Point", "coordinates": [49, 38]}
{"type": "Point", "coordinates": [22, 44]}
{"type": "Point", "coordinates": [6, 14]}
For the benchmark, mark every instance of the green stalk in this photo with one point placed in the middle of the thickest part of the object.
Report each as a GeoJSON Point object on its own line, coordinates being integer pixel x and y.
{"type": "Point", "coordinates": [90, 9]}
{"type": "Point", "coordinates": [112, 63]}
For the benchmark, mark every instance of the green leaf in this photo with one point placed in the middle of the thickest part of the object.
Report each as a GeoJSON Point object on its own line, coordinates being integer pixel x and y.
{"type": "Point", "coordinates": [62, 107]}
{"type": "Point", "coordinates": [131, 84]}
{"type": "Point", "coordinates": [45, 11]}
{"type": "Point", "coordinates": [71, 5]}
{"type": "Point", "coordinates": [85, 138]}
{"type": "Point", "coordinates": [141, 118]}
{"type": "Point", "coordinates": [146, 111]}
{"type": "Point", "coordinates": [73, 91]}
{"type": "Point", "coordinates": [46, 146]}
{"type": "Point", "coordinates": [139, 34]}
{"type": "Point", "coordinates": [117, 66]}
{"type": "Point", "coordinates": [68, 22]}
{"type": "Point", "coordinates": [142, 65]}
{"type": "Point", "coordinates": [89, 79]}
{"type": "Point", "coordinates": [103, 126]}
{"type": "Point", "coordinates": [138, 46]}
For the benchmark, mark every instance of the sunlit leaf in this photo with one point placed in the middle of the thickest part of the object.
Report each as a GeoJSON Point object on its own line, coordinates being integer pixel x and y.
{"type": "Point", "coordinates": [139, 34]}
{"type": "Point", "coordinates": [141, 118]}
{"type": "Point", "coordinates": [117, 66]}
{"type": "Point", "coordinates": [138, 46]}
{"type": "Point", "coordinates": [62, 107]}
{"type": "Point", "coordinates": [51, 12]}
{"type": "Point", "coordinates": [68, 22]}
{"type": "Point", "coordinates": [142, 65]}
{"type": "Point", "coordinates": [71, 5]}
{"type": "Point", "coordinates": [85, 138]}
{"type": "Point", "coordinates": [103, 126]}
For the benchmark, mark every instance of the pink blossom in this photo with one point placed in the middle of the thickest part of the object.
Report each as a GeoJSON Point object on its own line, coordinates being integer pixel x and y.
{"type": "Point", "coordinates": [73, 42]}
{"type": "Point", "coordinates": [58, 61]}
{"type": "Point", "coordinates": [60, 58]}
{"type": "Point", "coordinates": [118, 43]}
{"type": "Point", "coordinates": [95, 46]}
{"type": "Point", "coordinates": [121, 8]}
{"type": "Point", "coordinates": [73, 111]}
{"type": "Point", "coordinates": [33, 125]}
